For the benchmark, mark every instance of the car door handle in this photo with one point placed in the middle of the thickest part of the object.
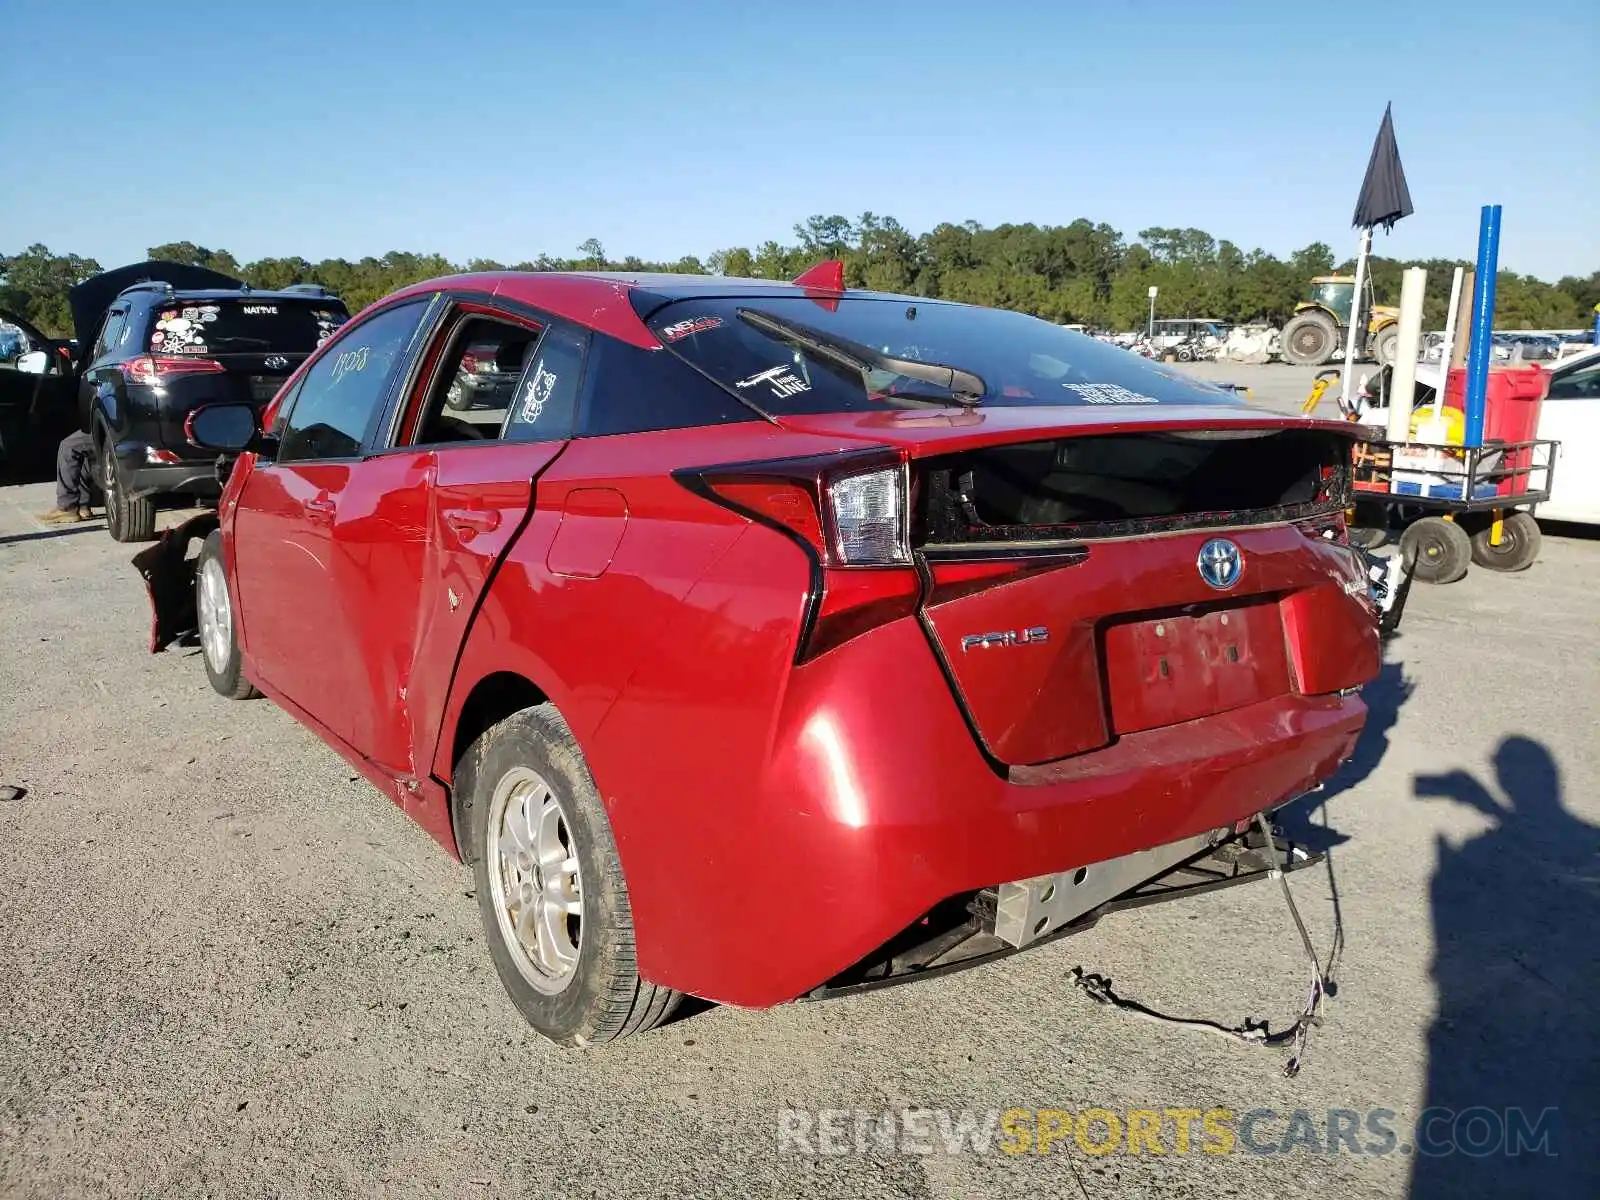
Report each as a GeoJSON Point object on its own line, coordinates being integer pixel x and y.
{"type": "Point", "coordinates": [321, 508]}
{"type": "Point", "coordinates": [469, 521]}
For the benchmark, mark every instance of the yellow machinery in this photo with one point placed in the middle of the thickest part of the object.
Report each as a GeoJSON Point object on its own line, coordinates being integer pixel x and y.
{"type": "Point", "coordinates": [1316, 333]}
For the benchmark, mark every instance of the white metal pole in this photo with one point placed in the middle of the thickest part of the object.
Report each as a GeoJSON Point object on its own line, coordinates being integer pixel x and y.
{"type": "Point", "coordinates": [1408, 344]}
{"type": "Point", "coordinates": [1346, 382]}
{"type": "Point", "coordinates": [1449, 347]}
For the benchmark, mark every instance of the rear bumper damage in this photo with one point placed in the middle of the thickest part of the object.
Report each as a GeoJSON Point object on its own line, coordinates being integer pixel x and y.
{"type": "Point", "coordinates": [998, 922]}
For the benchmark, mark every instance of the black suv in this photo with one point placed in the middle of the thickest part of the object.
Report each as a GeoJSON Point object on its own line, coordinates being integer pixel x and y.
{"type": "Point", "coordinates": [160, 339]}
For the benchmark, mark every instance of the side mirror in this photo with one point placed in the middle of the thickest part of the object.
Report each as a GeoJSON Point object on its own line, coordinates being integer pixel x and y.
{"type": "Point", "coordinates": [229, 428]}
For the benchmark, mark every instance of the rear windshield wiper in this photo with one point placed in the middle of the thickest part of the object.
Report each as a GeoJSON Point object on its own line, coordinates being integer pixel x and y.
{"type": "Point", "coordinates": [241, 340]}
{"type": "Point", "coordinates": [964, 387]}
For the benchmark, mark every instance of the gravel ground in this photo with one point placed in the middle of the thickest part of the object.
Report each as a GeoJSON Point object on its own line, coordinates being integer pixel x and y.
{"type": "Point", "coordinates": [228, 968]}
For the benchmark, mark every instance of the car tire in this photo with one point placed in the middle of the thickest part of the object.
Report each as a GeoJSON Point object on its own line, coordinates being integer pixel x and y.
{"type": "Point", "coordinates": [1519, 544]}
{"type": "Point", "coordinates": [1368, 537]}
{"type": "Point", "coordinates": [579, 984]}
{"type": "Point", "coordinates": [218, 624]}
{"type": "Point", "coordinates": [458, 396]}
{"type": "Point", "coordinates": [126, 520]}
{"type": "Point", "coordinates": [1440, 550]}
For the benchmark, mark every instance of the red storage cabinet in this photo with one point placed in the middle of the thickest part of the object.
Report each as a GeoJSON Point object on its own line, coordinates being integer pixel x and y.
{"type": "Point", "coordinates": [1512, 402]}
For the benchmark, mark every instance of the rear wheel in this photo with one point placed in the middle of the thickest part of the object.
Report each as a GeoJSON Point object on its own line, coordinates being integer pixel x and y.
{"type": "Point", "coordinates": [1384, 346]}
{"type": "Point", "coordinates": [1309, 339]}
{"type": "Point", "coordinates": [128, 520]}
{"type": "Point", "coordinates": [1519, 544]}
{"type": "Point", "coordinates": [1440, 550]}
{"type": "Point", "coordinates": [551, 894]}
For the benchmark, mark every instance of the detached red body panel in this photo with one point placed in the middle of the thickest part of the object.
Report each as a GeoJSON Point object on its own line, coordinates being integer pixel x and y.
{"type": "Point", "coordinates": [816, 702]}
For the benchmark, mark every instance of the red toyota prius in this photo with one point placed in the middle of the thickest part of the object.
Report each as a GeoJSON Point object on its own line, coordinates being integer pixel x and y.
{"type": "Point", "coordinates": [753, 640]}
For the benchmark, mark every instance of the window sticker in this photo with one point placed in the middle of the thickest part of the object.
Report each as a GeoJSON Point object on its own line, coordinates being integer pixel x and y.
{"type": "Point", "coordinates": [683, 329]}
{"type": "Point", "coordinates": [351, 362]}
{"type": "Point", "coordinates": [782, 380]}
{"type": "Point", "coordinates": [540, 388]}
{"type": "Point", "coordinates": [327, 323]}
{"type": "Point", "coordinates": [179, 335]}
{"type": "Point", "coordinates": [259, 310]}
{"type": "Point", "coordinates": [1108, 393]}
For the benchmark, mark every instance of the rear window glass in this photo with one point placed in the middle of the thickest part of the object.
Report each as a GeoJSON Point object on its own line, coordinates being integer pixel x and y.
{"type": "Point", "coordinates": [244, 326]}
{"type": "Point", "coordinates": [796, 355]}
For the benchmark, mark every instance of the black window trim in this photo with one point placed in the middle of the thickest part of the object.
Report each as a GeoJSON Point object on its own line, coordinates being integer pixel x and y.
{"type": "Point", "coordinates": [409, 355]}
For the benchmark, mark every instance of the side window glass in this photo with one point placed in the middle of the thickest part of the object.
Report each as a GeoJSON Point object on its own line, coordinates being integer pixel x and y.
{"type": "Point", "coordinates": [547, 398]}
{"type": "Point", "coordinates": [111, 333]}
{"type": "Point", "coordinates": [342, 394]}
{"type": "Point", "coordinates": [476, 383]}
{"type": "Point", "coordinates": [1577, 385]}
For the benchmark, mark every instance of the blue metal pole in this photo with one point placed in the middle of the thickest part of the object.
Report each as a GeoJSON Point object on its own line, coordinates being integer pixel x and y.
{"type": "Point", "coordinates": [1481, 348]}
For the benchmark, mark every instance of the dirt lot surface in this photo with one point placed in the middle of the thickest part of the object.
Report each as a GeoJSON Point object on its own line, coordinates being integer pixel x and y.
{"type": "Point", "coordinates": [228, 968]}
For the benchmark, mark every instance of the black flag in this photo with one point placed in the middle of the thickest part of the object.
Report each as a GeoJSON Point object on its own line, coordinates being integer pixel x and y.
{"type": "Point", "coordinates": [1384, 196]}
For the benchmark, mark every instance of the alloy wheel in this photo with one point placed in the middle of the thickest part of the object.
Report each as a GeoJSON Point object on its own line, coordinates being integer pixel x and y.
{"type": "Point", "coordinates": [535, 880]}
{"type": "Point", "coordinates": [216, 617]}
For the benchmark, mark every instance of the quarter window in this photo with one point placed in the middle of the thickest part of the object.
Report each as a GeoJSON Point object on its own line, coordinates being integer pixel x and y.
{"type": "Point", "coordinates": [111, 334]}
{"type": "Point", "coordinates": [342, 394]}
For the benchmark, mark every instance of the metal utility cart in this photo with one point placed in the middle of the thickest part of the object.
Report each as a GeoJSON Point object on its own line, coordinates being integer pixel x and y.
{"type": "Point", "coordinates": [1451, 505]}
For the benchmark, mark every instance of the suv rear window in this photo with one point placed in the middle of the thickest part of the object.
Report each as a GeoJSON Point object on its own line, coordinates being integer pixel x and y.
{"type": "Point", "coordinates": [792, 355]}
{"type": "Point", "coordinates": [244, 326]}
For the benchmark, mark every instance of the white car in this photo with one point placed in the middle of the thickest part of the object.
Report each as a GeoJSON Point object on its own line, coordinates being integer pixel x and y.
{"type": "Point", "coordinates": [1571, 416]}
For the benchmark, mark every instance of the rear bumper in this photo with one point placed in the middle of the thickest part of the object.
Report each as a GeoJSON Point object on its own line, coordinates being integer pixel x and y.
{"type": "Point", "coordinates": [877, 805]}
{"type": "Point", "coordinates": [141, 477]}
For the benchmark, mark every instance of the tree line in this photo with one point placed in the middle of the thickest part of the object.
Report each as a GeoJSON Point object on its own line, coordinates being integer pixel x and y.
{"type": "Point", "coordinates": [1082, 272]}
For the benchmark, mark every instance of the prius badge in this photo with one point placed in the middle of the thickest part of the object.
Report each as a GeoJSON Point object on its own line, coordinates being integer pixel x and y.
{"type": "Point", "coordinates": [1220, 564]}
{"type": "Point", "coordinates": [1009, 637]}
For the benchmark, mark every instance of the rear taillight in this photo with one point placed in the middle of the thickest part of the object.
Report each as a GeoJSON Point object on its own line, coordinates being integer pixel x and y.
{"type": "Point", "coordinates": [154, 371]}
{"type": "Point", "coordinates": [850, 513]}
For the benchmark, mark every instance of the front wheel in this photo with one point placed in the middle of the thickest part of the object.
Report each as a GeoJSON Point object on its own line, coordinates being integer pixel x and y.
{"type": "Point", "coordinates": [127, 520]}
{"type": "Point", "coordinates": [1519, 544]}
{"type": "Point", "coordinates": [1440, 549]}
{"type": "Point", "coordinates": [550, 890]}
{"type": "Point", "coordinates": [219, 630]}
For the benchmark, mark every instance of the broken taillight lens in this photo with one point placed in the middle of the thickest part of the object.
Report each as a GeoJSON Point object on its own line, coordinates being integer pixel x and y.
{"type": "Point", "coordinates": [1330, 527]}
{"type": "Point", "coordinates": [850, 513]}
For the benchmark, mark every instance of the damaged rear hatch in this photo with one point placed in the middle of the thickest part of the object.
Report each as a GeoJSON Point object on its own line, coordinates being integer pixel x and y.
{"type": "Point", "coordinates": [1106, 548]}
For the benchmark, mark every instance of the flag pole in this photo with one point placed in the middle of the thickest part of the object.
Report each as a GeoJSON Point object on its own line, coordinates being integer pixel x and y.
{"type": "Point", "coordinates": [1355, 312]}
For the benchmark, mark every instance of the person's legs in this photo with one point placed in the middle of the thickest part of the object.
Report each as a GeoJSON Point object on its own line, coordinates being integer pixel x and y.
{"type": "Point", "coordinates": [73, 463]}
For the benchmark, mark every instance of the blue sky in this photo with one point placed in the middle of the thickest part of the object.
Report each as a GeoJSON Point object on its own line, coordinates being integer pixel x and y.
{"type": "Point", "coordinates": [353, 127]}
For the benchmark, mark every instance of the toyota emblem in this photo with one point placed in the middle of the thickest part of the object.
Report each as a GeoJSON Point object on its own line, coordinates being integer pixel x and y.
{"type": "Point", "coordinates": [1220, 564]}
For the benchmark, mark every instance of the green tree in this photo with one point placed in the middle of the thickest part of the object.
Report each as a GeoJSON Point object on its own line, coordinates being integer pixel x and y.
{"type": "Point", "coordinates": [34, 285]}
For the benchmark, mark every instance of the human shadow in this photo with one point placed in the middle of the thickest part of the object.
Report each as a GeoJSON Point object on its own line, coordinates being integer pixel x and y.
{"type": "Point", "coordinates": [1516, 1036]}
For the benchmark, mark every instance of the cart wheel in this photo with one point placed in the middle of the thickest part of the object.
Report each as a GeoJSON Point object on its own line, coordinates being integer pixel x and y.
{"type": "Point", "coordinates": [1519, 544]}
{"type": "Point", "coordinates": [1367, 537]}
{"type": "Point", "coordinates": [1440, 549]}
